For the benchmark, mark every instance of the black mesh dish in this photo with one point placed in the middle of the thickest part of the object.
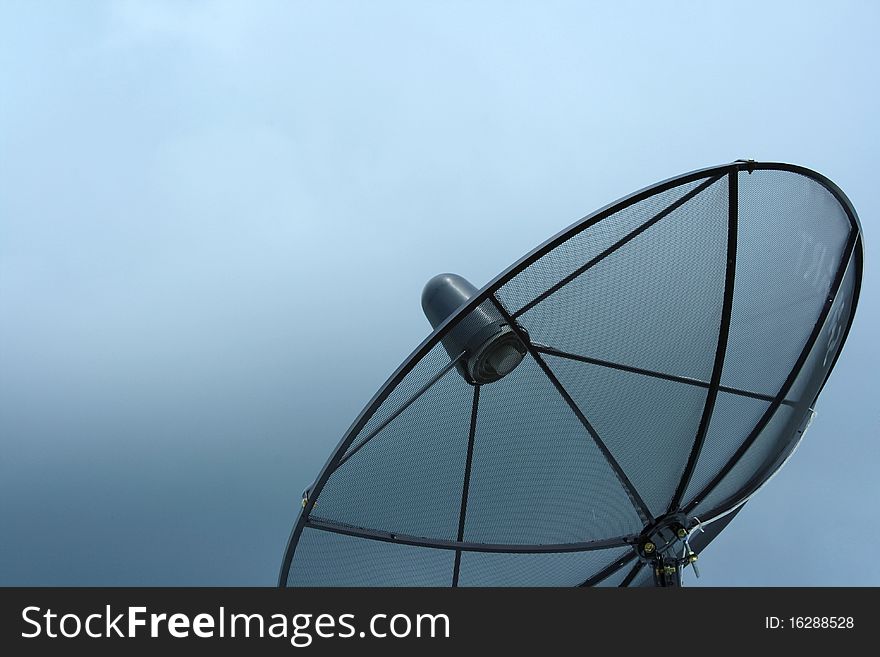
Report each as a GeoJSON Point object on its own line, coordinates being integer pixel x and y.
{"type": "Point", "coordinates": [677, 341]}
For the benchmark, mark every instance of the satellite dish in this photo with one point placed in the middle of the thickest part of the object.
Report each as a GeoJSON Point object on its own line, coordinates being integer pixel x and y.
{"type": "Point", "coordinates": [598, 412]}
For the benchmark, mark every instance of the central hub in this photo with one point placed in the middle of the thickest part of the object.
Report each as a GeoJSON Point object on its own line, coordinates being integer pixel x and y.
{"type": "Point", "coordinates": [664, 539]}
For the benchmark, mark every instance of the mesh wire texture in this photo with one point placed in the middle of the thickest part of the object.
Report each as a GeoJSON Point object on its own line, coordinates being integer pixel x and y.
{"type": "Point", "coordinates": [791, 236]}
{"type": "Point", "coordinates": [553, 569]}
{"type": "Point", "coordinates": [616, 578]}
{"type": "Point", "coordinates": [586, 244]}
{"type": "Point", "coordinates": [328, 559]}
{"type": "Point", "coordinates": [778, 433]}
{"type": "Point", "coordinates": [408, 478]}
{"type": "Point", "coordinates": [732, 421]}
{"type": "Point", "coordinates": [654, 303]}
{"type": "Point", "coordinates": [537, 475]}
{"type": "Point", "coordinates": [421, 374]}
{"type": "Point", "coordinates": [648, 424]}
{"type": "Point", "coordinates": [760, 460]}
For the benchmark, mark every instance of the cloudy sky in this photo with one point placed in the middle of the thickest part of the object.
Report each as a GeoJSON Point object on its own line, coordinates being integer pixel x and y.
{"type": "Point", "coordinates": [196, 199]}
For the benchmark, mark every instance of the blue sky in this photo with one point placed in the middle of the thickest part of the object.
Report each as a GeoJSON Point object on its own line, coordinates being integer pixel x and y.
{"type": "Point", "coordinates": [196, 198]}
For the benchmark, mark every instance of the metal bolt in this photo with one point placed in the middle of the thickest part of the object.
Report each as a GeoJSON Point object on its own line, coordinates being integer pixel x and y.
{"type": "Point", "coordinates": [649, 547]}
{"type": "Point", "coordinates": [682, 532]}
